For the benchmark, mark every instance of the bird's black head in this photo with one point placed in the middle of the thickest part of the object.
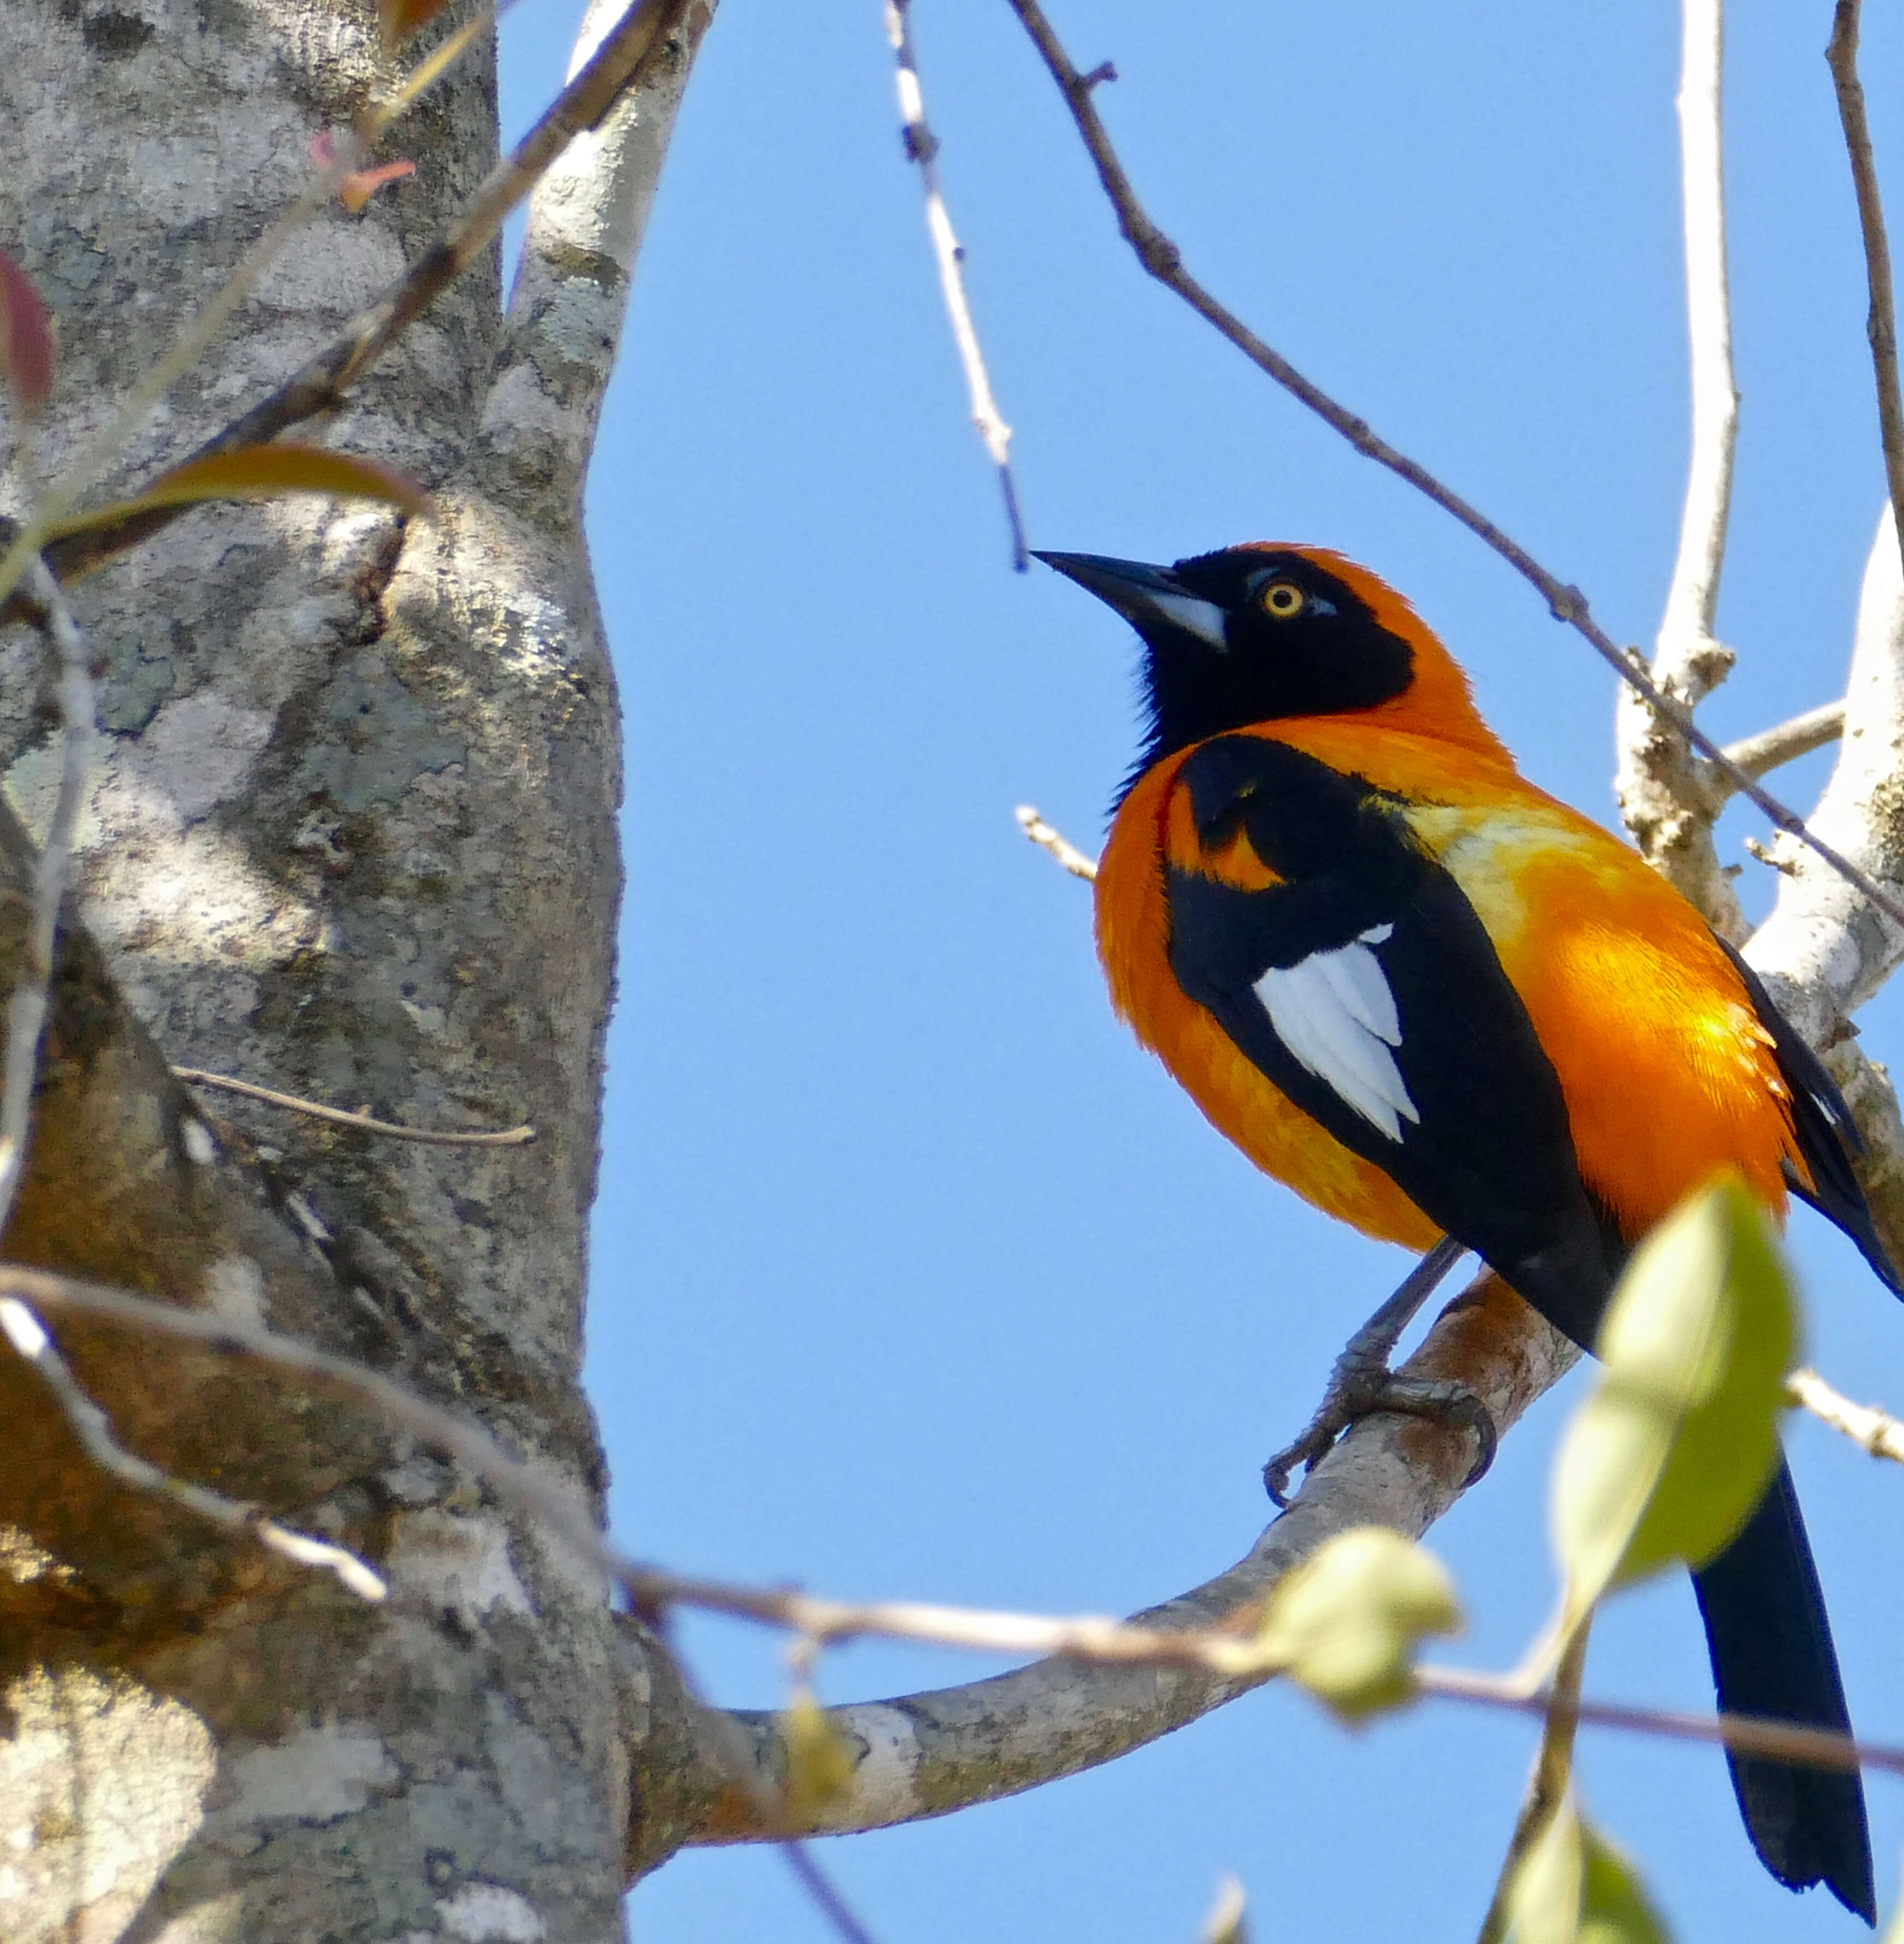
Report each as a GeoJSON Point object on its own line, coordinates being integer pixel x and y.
{"type": "Point", "coordinates": [1256, 634]}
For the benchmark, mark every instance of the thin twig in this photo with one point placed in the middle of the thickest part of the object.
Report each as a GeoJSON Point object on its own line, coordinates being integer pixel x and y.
{"type": "Point", "coordinates": [1746, 1734]}
{"type": "Point", "coordinates": [1881, 1434]}
{"type": "Point", "coordinates": [25, 1332]}
{"type": "Point", "coordinates": [1054, 846]}
{"type": "Point", "coordinates": [922, 147]}
{"type": "Point", "coordinates": [27, 1009]}
{"type": "Point", "coordinates": [1880, 323]}
{"type": "Point", "coordinates": [1162, 258]}
{"type": "Point", "coordinates": [506, 1137]}
{"type": "Point", "coordinates": [826, 1897]}
{"type": "Point", "coordinates": [639, 40]}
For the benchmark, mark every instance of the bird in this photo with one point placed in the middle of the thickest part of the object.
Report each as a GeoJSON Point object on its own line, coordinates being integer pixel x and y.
{"type": "Point", "coordinates": [1447, 1009]}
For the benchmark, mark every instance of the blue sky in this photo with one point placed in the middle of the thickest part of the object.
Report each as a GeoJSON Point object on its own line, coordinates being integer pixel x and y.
{"type": "Point", "coordinates": [913, 1276]}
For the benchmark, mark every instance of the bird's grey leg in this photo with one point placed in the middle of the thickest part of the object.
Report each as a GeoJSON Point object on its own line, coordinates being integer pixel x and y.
{"type": "Point", "coordinates": [1362, 1384]}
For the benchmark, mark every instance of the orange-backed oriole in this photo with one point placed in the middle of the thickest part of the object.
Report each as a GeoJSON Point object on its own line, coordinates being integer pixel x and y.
{"type": "Point", "coordinates": [1434, 1001]}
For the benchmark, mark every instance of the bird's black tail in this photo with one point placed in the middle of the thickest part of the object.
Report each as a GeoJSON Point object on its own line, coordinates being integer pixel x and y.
{"type": "Point", "coordinates": [1771, 1655]}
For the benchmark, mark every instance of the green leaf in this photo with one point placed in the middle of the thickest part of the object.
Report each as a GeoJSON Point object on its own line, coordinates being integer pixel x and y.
{"type": "Point", "coordinates": [819, 1764]}
{"type": "Point", "coordinates": [1614, 1906]}
{"type": "Point", "coordinates": [1675, 1445]}
{"type": "Point", "coordinates": [1346, 1622]}
{"type": "Point", "coordinates": [263, 472]}
{"type": "Point", "coordinates": [1574, 1886]}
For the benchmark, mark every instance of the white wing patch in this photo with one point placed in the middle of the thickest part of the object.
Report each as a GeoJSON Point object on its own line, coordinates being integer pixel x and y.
{"type": "Point", "coordinates": [1334, 1012]}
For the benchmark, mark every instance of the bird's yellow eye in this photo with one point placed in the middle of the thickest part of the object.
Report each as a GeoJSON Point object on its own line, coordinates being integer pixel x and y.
{"type": "Point", "coordinates": [1284, 599]}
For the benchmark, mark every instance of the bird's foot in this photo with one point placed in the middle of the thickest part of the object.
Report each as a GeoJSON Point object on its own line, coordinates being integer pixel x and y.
{"type": "Point", "coordinates": [1362, 1383]}
{"type": "Point", "coordinates": [1359, 1391]}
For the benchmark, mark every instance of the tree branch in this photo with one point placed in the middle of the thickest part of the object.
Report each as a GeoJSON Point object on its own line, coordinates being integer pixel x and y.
{"type": "Point", "coordinates": [1880, 323]}
{"type": "Point", "coordinates": [1163, 260]}
{"type": "Point", "coordinates": [1880, 1433]}
{"type": "Point", "coordinates": [1662, 794]}
{"type": "Point", "coordinates": [927, 1754]}
{"type": "Point", "coordinates": [1055, 844]}
{"type": "Point", "coordinates": [1759, 755]}
{"type": "Point", "coordinates": [1823, 951]}
{"type": "Point", "coordinates": [587, 220]}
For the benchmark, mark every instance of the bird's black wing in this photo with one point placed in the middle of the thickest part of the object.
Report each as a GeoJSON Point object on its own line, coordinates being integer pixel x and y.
{"type": "Point", "coordinates": [1365, 988]}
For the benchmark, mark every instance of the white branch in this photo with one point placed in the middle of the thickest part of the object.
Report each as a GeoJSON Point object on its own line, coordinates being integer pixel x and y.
{"type": "Point", "coordinates": [1662, 793]}
{"type": "Point", "coordinates": [1686, 659]}
{"type": "Point", "coordinates": [587, 217]}
{"type": "Point", "coordinates": [1824, 950]}
{"type": "Point", "coordinates": [1055, 844]}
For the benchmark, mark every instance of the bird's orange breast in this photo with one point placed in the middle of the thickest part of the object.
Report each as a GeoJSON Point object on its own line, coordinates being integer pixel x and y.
{"type": "Point", "coordinates": [1665, 1069]}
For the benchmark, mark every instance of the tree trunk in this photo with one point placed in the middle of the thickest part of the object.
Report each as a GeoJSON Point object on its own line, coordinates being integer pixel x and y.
{"type": "Point", "coordinates": [351, 835]}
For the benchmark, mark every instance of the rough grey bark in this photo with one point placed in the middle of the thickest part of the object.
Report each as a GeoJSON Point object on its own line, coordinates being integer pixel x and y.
{"type": "Point", "coordinates": [352, 835]}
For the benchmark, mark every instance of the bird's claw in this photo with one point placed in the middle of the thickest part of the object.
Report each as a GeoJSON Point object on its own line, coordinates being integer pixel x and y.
{"type": "Point", "coordinates": [1355, 1393]}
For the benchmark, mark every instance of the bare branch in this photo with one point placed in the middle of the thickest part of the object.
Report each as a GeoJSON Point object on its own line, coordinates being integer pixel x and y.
{"type": "Point", "coordinates": [1880, 323]}
{"type": "Point", "coordinates": [1163, 260]}
{"type": "Point", "coordinates": [439, 1137]}
{"type": "Point", "coordinates": [1748, 1734]}
{"type": "Point", "coordinates": [27, 1335]}
{"type": "Point", "coordinates": [1822, 950]}
{"type": "Point", "coordinates": [1881, 1434]}
{"type": "Point", "coordinates": [1065, 854]}
{"type": "Point", "coordinates": [1784, 743]}
{"type": "Point", "coordinates": [922, 146]}
{"type": "Point", "coordinates": [26, 1010]}
{"type": "Point", "coordinates": [926, 1755]}
{"type": "Point", "coordinates": [630, 52]}
{"type": "Point", "coordinates": [1662, 793]}
{"type": "Point", "coordinates": [587, 220]}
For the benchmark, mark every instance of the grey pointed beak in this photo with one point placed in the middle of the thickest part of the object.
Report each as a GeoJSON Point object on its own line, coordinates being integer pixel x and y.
{"type": "Point", "coordinates": [1146, 596]}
